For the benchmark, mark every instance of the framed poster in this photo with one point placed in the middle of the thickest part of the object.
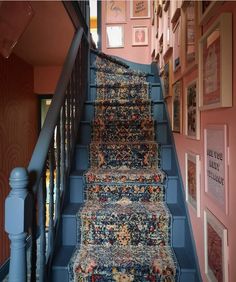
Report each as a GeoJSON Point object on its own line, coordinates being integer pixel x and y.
{"type": "Point", "coordinates": [115, 11]}
{"type": "Point", "coordinates": [192, 166]}
{"type": "Point", "coordinates": [115, 36]}
{"type": "Point", "coordinates": [216, 249]}
{"type": "Point", "coordinates": [215, 65]}
{"type": "Point", "coordinates": [167, 80]}
{"type": "Point", "coordinates": [176, 47]}
{"type": "Point", "coordinates": [140, 9]}
{"type": "Point", "coordinates": [192, 113]}
{"type": "Point", "coordinates": [177, 107]}
{"type": "Point", "coordinates": [139, 35]}
{"type": "Point", "coordinates": [190, 48]}
{"type": "Point", "coordinates": [216, 164]}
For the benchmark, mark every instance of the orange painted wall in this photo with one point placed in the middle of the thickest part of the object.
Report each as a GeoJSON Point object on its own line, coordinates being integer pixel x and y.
{"type": "Point", "coordinates": [18, 127]}
{"type": "Point", "coordinates": [46, 78]}
{"type": "Point", "coordinates": [138, 54]}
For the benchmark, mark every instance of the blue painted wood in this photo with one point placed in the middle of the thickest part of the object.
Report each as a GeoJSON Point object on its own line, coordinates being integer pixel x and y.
{"type": "Point", "coordinates": [39, 156]}
{"type": "Point", "coordinates": [18, 203]}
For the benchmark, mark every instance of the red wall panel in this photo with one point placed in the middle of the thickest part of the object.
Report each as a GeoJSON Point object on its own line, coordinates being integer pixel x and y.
{"type": "Point", "coordinates": [18, 127]}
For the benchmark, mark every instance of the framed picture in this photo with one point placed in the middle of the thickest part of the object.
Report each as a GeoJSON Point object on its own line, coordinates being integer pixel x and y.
{"type": "Point", "coordinates": [215, 65]}
{"type": "Point", "coordinates": [192, 165]}
{"type": "Point", "coordinates": [216, 248]}
{"type": "Point", "coordinates": [177, 107]}
{"type": "Point", "coordinates": [192, 118]}
{"type": "Point", "coordinates": [115, 11]}
{"type": "Point", "coordinates": [140, 9]}
{"type": "Point", "coordinates": [216, 164]}
{"type": "Point", "coordinates": [176, 47]}
{"type": "Point", "coordinates": [206, 10]}
{"type": "Point", "coordinates": [115, 36]}
{"type": "Point", "coordinates": [139, 35]}
{"type": "Point", "coordinates": [166, 80]}
{"type": "Point", "coordinates": [190, 32]}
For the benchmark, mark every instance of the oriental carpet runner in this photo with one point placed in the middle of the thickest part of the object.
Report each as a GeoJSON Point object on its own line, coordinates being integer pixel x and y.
{"type": "Point", "coordinates": [124, 231]}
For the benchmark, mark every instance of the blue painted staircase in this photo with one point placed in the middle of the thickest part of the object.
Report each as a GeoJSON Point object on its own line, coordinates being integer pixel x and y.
{"type": "Point", "coordinates": [182, 241]}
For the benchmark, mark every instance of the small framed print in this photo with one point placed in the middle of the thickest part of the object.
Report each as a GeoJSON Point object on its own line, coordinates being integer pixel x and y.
{"type": "Point", "coordinates": [192, 118]}
{"type": "Point", "coordinates": [139, 35]}
{"type": "Point", "coordinates": [115, 11]}
{"type": "Point", "coordinates": [216, 249]}
{"type": "Point", "coordinates": [166, 80]}
{"type": "Point", "coordinates": [176, 49]}
{"type": "Point", "coordinates": [177, 107]}
{"type": "Point", "coordinates": [115, 36]}
{"type": "Point", "coordinates": [192, 165]}
{"type": "Point", "coordinates": [216, 164]}
{"type": "Point", "coordinates": [140, 9]}
{"type": "Point", "coordinates": [215, 65]}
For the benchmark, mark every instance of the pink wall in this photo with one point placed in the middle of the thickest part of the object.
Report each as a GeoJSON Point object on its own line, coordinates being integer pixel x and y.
{"type": "Point", "coordinates": [45, 79]}
{"type": "Point", "coordinates": [138, 54]}
{"type": "Point", "coordinates": [183, 144]}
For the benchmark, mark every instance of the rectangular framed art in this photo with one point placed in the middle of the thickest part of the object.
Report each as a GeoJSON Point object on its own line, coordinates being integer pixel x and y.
{"type": "Point", "coordinates": [216, 249]}
{"type": "Point", "coordinates": [216, 164]}
{"type": "Point", "coordinates": [177, 107]}
{"type": "Point", "coordinates": [139, 35]}
{"type": "Point", "coordinates": [192, 166]}
{"type": "Point", "coordinates": [115, 36]}
{"type": "Point", "coordinates": [215, 65]}
{"type": "Point", "coordinates": [115, 11]}
{"type": "Point", "coordinates": [192, 113]}
{"type": "Point", "coordinates": [167, 79]}
{"type": "Point", "coordinates": [140, 9]}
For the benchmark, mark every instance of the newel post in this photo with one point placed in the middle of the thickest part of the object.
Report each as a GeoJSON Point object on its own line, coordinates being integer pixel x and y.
{"type": "Point", "coordinates": [17, 217]}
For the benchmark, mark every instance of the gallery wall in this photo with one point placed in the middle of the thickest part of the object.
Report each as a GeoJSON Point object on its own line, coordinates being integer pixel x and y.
{"type": "Point", "coordinates": [176, 48]}
{"type": "Point", "coordinates": [18, 127]}
{"type": "Point", "coordinates": [119, 15]}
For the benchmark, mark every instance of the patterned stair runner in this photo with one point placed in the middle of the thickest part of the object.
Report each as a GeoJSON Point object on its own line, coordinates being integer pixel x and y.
{"type": "Point", "coordinates": [125, 224]}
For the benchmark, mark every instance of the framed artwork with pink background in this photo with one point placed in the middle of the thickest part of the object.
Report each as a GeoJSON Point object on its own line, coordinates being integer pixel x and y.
{"type": "Point", "coordinates": [139, 35]}
{"type": "Point", "coordinates": [115, 11]}
{"type": "Point", "coordinates": [192, 173]}
{"type": "Point", "coordinates": [216, 249]}
{"type": "Point", "coordinates": [215, 65]}
{"type": "Point", "coordinates": [216, 153]}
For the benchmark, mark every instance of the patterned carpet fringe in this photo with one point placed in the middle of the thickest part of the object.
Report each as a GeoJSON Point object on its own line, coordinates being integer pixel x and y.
{"type": "Point", "coordinates": [124, 229]}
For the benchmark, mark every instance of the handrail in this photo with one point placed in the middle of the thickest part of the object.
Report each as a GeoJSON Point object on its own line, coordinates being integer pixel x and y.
{"type": "Point", "coordinates": [39, 156]}
{"type": "Point", "coordinates": [38, 192]}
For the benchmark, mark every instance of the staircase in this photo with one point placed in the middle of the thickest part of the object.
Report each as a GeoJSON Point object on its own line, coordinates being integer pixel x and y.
{"type": "Point", "coordinates": [124, 217]}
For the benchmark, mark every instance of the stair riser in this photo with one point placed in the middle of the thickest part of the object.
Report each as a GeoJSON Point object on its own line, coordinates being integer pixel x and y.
{"type": "Point", "coordinates": [162, 135]}
{"type": "Point", "coordinates": [155, 92]}
{"type": "Point", "coordinates": [124, 230]}
{"type": "Point", "coordinates": [178, 231]}
{"type": "Point", "coordinates": [59, 274]}
{"type": "Point", "coordinates": [167, 160]}
{"type": "Point", "coordinates": [69, 231]}
{"type": "Point", "coordinates": [150, 77]}
{"type": "Point", "coordinates": [134, 192]}
{"type": "Point", "coordinates": [85, 133]}
{"type": "Point", "coordinates": [117, 156]}
{"type": "Point", "coordinates": [81, 160]}
{"type": "Point", "coordinates": [76, 189]}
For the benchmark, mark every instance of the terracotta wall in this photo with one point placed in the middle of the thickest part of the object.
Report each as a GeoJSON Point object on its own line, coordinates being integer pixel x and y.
{"type": "Point", "coordinates": [18, 127]}
{"type": "Point", "coordinates": [188, 73]}
{"type": "Point", "coordinates": [138, 54]}
{"type": "Point", "coordinates": [46, 78]}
